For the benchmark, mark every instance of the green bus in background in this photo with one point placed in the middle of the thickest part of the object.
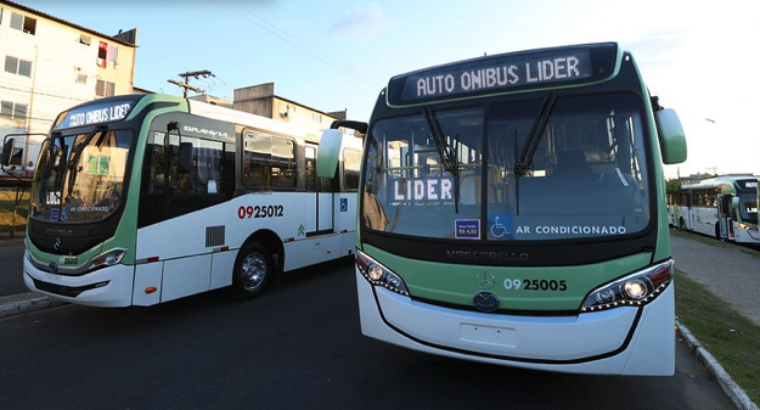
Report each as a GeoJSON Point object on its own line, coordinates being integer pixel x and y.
{"type": "Point", "coordinates": [513, 211]}
{"type": "Point", "coordinates": [724, 207]}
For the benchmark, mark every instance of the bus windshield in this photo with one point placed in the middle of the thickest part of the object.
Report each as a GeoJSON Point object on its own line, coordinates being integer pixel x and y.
{"type": "Point", "coordinates": [586, 178]}
{"type": "Point", "coordinates": [80, 176]}
{"type": "Point", "coordinates": [748, 206]}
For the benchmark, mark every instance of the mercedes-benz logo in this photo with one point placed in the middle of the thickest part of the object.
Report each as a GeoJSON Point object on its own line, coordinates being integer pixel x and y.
{"type": "Point", "coordinates": [486, 301]}
{"type": "Point", "coordinates": [486, 280]}
{"type": "Point", "coordinates": [57, 244]}
{"type": "Point", "coordinates": [53, 267]}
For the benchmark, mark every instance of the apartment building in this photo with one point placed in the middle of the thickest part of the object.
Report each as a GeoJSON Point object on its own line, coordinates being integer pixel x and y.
{"type": "Point", "coordinates": [50, 64]}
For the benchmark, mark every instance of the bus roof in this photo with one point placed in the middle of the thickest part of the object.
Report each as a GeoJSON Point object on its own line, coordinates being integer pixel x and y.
{"type": "Point", "coordinates": [739, 181]}
{"type": "Point", "coordinates": [216, 112]}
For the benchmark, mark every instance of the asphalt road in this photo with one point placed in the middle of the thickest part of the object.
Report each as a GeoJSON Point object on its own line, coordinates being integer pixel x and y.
{"type": "Point", "coordinates": [11, 267]}
{"type": "Point", "coordinates": [298, 346]}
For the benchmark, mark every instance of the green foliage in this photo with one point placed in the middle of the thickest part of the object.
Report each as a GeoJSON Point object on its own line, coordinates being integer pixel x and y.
{"type": "Point", "coordinates": [731, 338]}
{"type": "Point", "coordinates": [672, 186]}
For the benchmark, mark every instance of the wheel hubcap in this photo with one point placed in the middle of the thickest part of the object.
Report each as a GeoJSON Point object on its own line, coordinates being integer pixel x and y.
{"type": "Point", "coordinates": [253, 271]}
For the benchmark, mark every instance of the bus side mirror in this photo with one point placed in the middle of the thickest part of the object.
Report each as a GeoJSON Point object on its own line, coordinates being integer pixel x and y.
{"type": "Point", "coordinates": [672, 137]}
{"type": "Point", "coordinates": [329, 153]}
{"type": "Point", "coordinates": [10, 156]}
{"type": "Point", "coordinates": [185, 160]}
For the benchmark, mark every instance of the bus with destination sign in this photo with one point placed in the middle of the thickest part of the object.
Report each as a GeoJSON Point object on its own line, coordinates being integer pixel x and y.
{"type": "Point", "coordinates": [144, 199]}
{"type": "Point", "coordinates": [723, 207]}
{"type": "Point", "coordinates": [512, 211]}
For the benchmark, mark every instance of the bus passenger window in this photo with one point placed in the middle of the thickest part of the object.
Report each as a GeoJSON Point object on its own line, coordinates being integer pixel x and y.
{"type": "Point", "coordinates": [270, 162]}
{"type": "Point", "coordinates": [351, 165]}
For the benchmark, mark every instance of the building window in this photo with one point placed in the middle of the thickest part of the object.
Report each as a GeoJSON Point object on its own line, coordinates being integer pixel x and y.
{"type": "Point", "coordinates": [105, 89]}
{"type": "Point", "coordinates": [13, 110]}
{"type": "Point", "coordinates": [26, 24]}
{"type": "Point", "coordinates": [18, 66]}
{"type": "Point", "coordinates": [81, 78]}
{"type": "Point", "coordinates": [86, 40]}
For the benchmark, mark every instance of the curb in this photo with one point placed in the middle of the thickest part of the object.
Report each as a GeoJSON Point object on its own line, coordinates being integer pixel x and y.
{"type": "Point", "coordinates": [26, 302]}
{"type": "Point", "coordinates": [729, 386]}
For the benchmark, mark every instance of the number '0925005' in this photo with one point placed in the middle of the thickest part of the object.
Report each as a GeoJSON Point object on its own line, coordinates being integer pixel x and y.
{"type": "Point", "coordinates": [263, 211]}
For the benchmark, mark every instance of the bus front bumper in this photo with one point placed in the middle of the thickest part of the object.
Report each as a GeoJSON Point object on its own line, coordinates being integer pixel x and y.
{"type": "Point", "coordinates": [107, 287]}
{"type": "Point", "coordinates": [621, 341]}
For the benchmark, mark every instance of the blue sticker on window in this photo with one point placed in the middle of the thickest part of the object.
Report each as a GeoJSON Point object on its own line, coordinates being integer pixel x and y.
{"type": "Point", "coordinates": [467, 229]}
{"type": "Point", "coordinates": [344, 204]}
{"type": "Point", "coordinates": [501, 226]}
{"type": "Point", "coordinates": [54, 214]}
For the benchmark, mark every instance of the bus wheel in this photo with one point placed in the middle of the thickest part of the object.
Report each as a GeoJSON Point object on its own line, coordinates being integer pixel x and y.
{"type": "Point", "coordinates": [717, 230]}
{"type": "Point", "coordinates": [681, 224]}
{"type": "Point", "coordinates": [253, 270]}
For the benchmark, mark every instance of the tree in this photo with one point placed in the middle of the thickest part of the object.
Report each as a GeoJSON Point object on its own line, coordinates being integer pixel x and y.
{"type": "Point", "coordinates": [672, 186]}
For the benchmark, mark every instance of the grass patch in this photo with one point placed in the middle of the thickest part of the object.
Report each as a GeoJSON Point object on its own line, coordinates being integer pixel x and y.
{"type": "Point", "coordinates": [7, 204]}
{"type": "Point", "coordinates": [732, 339]}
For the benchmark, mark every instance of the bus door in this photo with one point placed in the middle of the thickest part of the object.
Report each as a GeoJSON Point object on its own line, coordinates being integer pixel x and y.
{"type": "Point", "coordinates": [319, 201]}
{"type": "Point", "coordinates": [724, 216]}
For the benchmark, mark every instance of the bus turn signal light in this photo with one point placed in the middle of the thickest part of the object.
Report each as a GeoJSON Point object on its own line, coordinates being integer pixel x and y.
{"type": "Point", "coordinates": [150, 289]}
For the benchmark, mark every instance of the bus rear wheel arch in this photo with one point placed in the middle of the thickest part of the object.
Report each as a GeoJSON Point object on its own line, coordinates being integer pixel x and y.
{"type": "Point", "coordinates": [258, 264]}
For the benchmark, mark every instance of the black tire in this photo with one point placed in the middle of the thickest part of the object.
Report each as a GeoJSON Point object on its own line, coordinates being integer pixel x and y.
{"type": "Point", "coordinates": [681, 224]}
{"type": "Point", "coordinates": [717, 230]}
{"type": "Point", "coordinates": [253, 271]}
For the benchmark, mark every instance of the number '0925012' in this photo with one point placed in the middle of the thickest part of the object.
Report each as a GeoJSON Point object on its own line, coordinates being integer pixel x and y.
{"type": "Point", "coordinates": [260, 211]}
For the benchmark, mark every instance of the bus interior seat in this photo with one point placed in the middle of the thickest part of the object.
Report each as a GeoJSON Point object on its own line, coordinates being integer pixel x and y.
{"type": "Point", "coordinates": [572, 162]}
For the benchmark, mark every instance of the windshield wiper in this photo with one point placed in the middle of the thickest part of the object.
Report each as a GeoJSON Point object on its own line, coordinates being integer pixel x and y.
{"type": "Point", "coordinates": [448, 154]}
{"type": "Point", "coordinates": [525, 162]}
{"type": "Point", "coordinates": [71, 167]}
{"type": "Point", "coordinates": [51, 162]}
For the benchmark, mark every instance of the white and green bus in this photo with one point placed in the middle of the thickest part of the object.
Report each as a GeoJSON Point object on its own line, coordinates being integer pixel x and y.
{"type": "Point", "coordinates": [512, 211]}
{"type": "Point", "coordinates": [724, 207]}
{"type": "Point", "coordinates": [143, 199]}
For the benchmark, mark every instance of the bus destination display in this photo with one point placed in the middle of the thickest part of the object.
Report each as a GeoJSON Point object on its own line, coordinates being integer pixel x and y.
{"type": "Point", "coordinates": [96, 114]}
{"type": "Point", "coordinates": [500, 73]}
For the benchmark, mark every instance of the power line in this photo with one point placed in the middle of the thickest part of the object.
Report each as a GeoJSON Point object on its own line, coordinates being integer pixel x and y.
{"type": "Point", "coordinates": [295, 42]}
{"type": "Point", "coordinates": [40, 93]}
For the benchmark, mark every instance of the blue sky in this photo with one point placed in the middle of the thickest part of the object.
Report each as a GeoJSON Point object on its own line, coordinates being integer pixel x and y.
{"type": "Point", "coordinates": [699, 57]}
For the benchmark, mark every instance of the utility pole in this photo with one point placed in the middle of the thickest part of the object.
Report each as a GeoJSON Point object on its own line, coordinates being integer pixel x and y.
{"type": "Point", "coordinates": [186, 85]}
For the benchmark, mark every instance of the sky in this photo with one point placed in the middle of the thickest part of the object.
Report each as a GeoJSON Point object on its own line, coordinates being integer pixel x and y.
{"type": "Point", "coordinates": [701, 58]}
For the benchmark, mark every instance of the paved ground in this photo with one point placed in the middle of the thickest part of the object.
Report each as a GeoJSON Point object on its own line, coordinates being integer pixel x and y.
{"type": "Point", "coordinates": [11, 266]}
{"type": "Point", "coordinates": [297, 347]}
{"type": "Point", "coordinates": [730, 271]}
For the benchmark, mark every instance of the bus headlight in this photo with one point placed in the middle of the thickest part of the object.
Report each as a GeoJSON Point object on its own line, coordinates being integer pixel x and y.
{"type": "Point", "coordinates": [379, 275]}
{"type": "Point", "coordinates": [109, 258]}
{"type": "Point", "coordinates": [637, 289]}
{"type": "Point", "coordinates": [746, 227]}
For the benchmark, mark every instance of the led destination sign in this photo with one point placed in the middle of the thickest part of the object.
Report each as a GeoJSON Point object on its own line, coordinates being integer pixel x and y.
{"type": "Point", "coordinates": [505, 72]}
{"type": "Point", "coordinates": [96, 114]}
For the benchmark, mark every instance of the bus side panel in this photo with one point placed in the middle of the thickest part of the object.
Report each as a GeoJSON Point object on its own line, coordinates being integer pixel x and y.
{"type": "Point", "coordinates": [146, 276]}
{"type": "Point", "coordinates": [185, 277]}
{"type": "Point", "coordinates": [345, 211]}
{"type": "Point", "coordinates": [222, 265]}
{"type": "Point", "coordinates": [312, 251]}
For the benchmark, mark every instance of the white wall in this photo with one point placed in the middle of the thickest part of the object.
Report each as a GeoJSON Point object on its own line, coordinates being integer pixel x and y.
{"type": "Point", "coordinates": [56, 53]}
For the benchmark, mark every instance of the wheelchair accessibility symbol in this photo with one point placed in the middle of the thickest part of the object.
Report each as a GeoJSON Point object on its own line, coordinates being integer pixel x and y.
{"type": "Point", "coordinates": [498, 229]}
{"type": "Point", "coordinates": [500, 226]}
